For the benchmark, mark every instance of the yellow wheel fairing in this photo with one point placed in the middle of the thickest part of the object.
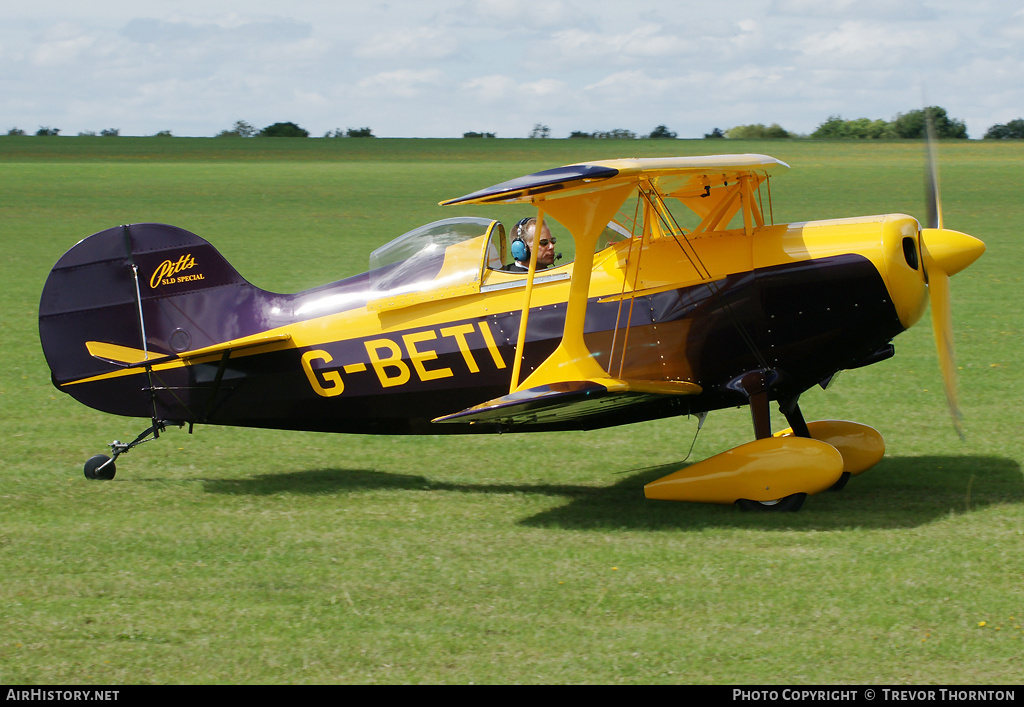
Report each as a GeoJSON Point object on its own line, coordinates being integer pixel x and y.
{"type": "Point", "coordinates": [861, 446]}
{"type": "Point", "coordinates": [763, 470]}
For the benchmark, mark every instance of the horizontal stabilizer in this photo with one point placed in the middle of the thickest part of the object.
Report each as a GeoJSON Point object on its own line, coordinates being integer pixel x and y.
{"type": "Point", "coordinates": [569, 400]}
{"type": "Point", "coordinates": [116, 354]}
{"type": "Point", "coordinates": [128, 357]}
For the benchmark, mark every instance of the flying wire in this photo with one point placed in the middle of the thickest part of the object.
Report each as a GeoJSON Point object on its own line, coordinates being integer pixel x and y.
{"type": "Point", "coordinates": [673, 228]}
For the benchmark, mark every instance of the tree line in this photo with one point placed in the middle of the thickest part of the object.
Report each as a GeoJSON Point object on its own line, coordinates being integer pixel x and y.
{"type": "Point", "coordinates": [909, 125]}
{"type": "Point", "coordinates": [244, 129]}
{"type": "Point", "coordinates": [240, 129]}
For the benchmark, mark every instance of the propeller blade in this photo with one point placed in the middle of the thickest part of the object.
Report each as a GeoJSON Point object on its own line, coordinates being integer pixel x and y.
{"type": "Point", "coordinates": [946, 253]}
{"type": "Point", "coordinates": [942, 328]}
{"type": "Point", "coordinates": [934, 203]}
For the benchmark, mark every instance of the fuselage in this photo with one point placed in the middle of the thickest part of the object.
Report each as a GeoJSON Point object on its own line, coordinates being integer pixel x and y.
{"type": "Point", "coordinates": [797, 301]}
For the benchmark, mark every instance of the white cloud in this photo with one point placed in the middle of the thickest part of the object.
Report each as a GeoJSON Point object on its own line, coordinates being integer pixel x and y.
{"type": "Point", "coordinates": [404, 83]}
{"type": "Point", "coordinates": [492, 89]}
{"type": "Point", "coordinates": [439, 68]}
{"type": "Point", "coordinates": [62, 44]}
{"type": "Point", "coordinates": [422, 43]}
{"type": "Point", "coordinates": [867, 44]}
{"type": "Point", "coordinates": [506, 101]}
{"type": "Point", "coordinates": [631, 86]}
{"type": "Point", "coordinates": [525, 13]}
{"type": "Point", "coordinates": [1011, 28]}
{"type": "Point", "coordinates": [882, 10]}
{"type": "Point", "coordinates": [647, 40]}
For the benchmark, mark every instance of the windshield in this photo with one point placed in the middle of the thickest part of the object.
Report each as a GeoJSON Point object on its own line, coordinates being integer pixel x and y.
{"type": "Point", "coordinates": [441, 259]}
{"type": "Point", "coordinates": [414, 261]}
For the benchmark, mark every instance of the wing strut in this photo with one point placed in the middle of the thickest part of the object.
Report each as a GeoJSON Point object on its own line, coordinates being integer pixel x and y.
{"type": "Point", "coordinates": [524, 318]}
{"type": "Point", "coordinates": [585, 217]}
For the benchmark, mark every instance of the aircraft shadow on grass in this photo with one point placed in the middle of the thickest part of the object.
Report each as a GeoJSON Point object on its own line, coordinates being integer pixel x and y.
{"type": "Point", "coordinates": [900, 492]}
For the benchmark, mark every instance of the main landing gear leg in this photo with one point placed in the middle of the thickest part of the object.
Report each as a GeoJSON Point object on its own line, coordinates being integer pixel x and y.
{"type": "Point", "coordinates": [101, 467]}
{"type": "Point", "coordinates": [761, 414]}
{"type": "Point", "coordinates": [791, 409]}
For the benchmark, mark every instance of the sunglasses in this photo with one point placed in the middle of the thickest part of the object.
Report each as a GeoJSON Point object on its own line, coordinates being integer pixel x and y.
{"type": "Point", "coordinates": [545, 241]}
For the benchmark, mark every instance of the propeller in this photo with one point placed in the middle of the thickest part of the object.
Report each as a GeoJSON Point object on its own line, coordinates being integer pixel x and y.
{"type": "Point", "coordinates": [944, 252]}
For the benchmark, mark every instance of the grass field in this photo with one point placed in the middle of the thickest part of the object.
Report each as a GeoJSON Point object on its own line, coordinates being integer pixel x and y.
{"type": "Point", "coordinates": [243, 556]}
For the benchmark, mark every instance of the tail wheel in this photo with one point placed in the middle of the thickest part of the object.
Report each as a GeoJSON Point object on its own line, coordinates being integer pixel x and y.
{"type": "Point", "coordinates": [93, 470]}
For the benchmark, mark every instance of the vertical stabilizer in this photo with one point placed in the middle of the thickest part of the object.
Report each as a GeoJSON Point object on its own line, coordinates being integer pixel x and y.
{"type": "Point", "coordinates": [145, 287]}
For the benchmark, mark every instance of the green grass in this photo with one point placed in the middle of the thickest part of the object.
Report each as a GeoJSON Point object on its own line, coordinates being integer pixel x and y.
{"type": "Point", "coordinates": [244, 556]}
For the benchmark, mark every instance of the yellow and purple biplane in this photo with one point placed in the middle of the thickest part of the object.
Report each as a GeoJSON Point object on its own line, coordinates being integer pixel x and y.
{"type": "Point", "coordinates": [683, 297]}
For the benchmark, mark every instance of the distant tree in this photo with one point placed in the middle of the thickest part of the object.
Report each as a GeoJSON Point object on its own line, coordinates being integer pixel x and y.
{"type": "Point", "coordinates": [47, 132]}
{"type": "Point", "coordinates": [87, 133]}
{"type": "Point", "coordinates": [662, 133]}
{"type": "Point", "coordinates": [240, 129]}
{"type": "Point", "coordinates": [243, 129]}
{"type": "Point", "coordinates": [15, 131]}
{"type": "Point", "coordinates": [757, 132]}
{"type": "Point", "coordinates": [111, 132]}
{"type": "Point", "coordinates": [163, 133]}
{"type": "Point", "coordinates": [714, 134]}
{"type": "Point", "coordinates": [540, 131]}
{"type": "Point", "coordinates": [834, 127]}
{"type": "Point", "coordinates": [283, 130]}
{"type": "Point", "coordinates": [866, 129]}
{"type": "Point", "coordinates": [911, 124]}
{"type": "Point", "coordinates": [472, 134]}
{"type": "Point", "coordinates": [616, 134]}
{"type": "Point", "coordinates": [861, 128]}
{"type": "Point", "coordinates": [1014, 130]}
{"type": "Point", "coordinates": [350, 132]}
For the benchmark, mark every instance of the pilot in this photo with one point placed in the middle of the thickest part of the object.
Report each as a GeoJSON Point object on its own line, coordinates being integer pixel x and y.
{"type": "Point", "coordinates": [524, 237]}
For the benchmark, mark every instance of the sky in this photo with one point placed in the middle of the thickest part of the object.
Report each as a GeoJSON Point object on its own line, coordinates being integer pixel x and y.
{"type": "Point", "coordinates": [424, 68]}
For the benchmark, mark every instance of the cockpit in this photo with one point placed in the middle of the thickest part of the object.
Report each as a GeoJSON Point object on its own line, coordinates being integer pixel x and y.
{"type": "Point", "coordinates": [460, 256]}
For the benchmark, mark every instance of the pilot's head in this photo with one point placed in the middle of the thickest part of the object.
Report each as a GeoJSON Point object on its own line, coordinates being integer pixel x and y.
{"type": "Point", "coordinates": [545, 245]}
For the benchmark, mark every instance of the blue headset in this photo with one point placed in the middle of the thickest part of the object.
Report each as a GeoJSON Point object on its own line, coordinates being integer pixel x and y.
{"type": "Point", "coordinates": [520, 250]}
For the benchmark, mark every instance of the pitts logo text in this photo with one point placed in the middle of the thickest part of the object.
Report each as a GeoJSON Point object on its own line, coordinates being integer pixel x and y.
{"type": "Point", "coordinates": [167, 273]}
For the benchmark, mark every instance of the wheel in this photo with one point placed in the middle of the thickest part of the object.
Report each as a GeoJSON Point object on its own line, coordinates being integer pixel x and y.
{"type": "Point", "coordinates": [93, 471]}
{"type": "Point", "coordinates": [787, 503]}
{"type": "Point", "coordinates": [838, 486]}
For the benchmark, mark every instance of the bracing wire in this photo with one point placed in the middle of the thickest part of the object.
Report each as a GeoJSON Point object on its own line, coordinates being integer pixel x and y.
{"type": "Point", "coordinates": [669, 222]}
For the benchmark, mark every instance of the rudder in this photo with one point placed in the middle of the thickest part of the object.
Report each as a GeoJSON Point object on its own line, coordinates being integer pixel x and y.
{"type": "Point", "coordinates": [149, 287]}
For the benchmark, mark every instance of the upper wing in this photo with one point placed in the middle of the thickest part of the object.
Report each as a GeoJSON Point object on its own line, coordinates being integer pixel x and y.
{"type": "Point", "coordinates": [676, 176]}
